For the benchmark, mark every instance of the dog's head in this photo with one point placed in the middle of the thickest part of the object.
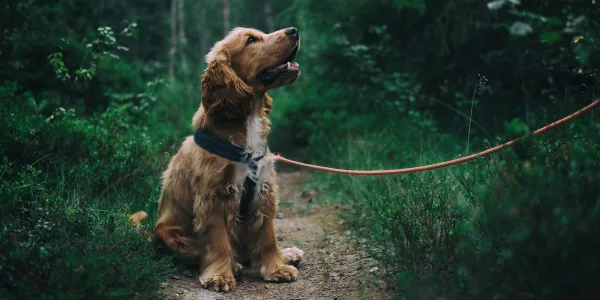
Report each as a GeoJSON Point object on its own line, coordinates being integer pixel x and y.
{"type": "Point", "coordinates": [248, 62]}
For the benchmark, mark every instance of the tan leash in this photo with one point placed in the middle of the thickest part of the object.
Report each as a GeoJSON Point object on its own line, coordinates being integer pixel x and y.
{"type": "Point", "coordinates": [441, 164]}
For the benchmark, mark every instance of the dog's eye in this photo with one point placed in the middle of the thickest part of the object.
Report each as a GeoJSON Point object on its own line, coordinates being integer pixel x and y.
{"type": "Point", "coordinates": [251, 40]}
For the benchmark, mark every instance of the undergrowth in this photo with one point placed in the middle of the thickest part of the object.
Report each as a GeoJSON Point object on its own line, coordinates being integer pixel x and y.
{"type": "Point", "coordinates": [380, 93]}
{"type": "Point", "coordinates": [68, 182]}
{"type": "Point", "coordinates": [59, 244]}
{"type": "Point", "coordinates": [82, 145]}
{"type": "Point", "coordinates": [515, 225]}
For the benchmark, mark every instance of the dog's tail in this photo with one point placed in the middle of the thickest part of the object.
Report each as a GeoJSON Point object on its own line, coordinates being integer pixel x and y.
{"type": "Point", "coordinates": [137, 218]}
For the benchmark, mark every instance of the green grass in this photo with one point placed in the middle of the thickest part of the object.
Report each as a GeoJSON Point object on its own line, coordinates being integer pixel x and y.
{"type": "Point", "coordinates": [67, 186]}
{"type": "Point", "coordinates": [59, 243]}
{"type": "Point", "coordinates": [511, 225]}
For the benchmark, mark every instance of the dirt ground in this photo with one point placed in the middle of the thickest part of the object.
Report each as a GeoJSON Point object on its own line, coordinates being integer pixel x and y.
{"type": "Point", "coordinates": [330, 269]}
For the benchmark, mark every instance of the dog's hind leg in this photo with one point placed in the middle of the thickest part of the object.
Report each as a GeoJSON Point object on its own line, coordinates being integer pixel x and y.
{"type": "Point", "coordinates": [179, 241]}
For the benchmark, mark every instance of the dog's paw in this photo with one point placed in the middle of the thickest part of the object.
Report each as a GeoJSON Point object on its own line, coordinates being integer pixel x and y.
{"type": "Point", "coordinates": [292, 256]}
{"type": "Point", "coordinates": [217, 282]}
{"type": "Point", "coordinates": [280, 273]}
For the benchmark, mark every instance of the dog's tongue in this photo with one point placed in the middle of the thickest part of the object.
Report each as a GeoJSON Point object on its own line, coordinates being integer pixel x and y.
{"type": "Point", "coordinates": [287, 66]}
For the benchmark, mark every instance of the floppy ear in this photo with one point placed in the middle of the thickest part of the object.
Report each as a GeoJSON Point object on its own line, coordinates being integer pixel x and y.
{"type": "Point", "coordinates": [223, 90]}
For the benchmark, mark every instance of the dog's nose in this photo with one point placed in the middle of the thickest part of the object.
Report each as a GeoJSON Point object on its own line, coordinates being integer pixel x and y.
{"type": "Point", "coordinates": [293, 32]}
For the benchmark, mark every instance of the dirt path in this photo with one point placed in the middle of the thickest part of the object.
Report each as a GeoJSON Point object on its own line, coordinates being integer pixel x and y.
{"type": "Point", "coordinates": [330, 269]}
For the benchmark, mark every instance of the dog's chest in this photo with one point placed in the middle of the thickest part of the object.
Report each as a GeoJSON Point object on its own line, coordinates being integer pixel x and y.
{"type": "Point", "coordinates": [255, 139]}
{"type": "Point", "coordinates": [255, 143]}
{"type": "Point", "coordinates": [264, 173]}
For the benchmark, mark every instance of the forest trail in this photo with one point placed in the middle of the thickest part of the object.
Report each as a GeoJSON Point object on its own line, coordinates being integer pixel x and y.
{"type": "Point", "coordinates": [331, 267]}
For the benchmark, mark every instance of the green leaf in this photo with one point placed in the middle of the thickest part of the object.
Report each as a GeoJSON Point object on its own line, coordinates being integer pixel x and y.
{"type": "Point", "coordinates": [554, 21]}
{"type": "Point", "coordinates": [550, 37]}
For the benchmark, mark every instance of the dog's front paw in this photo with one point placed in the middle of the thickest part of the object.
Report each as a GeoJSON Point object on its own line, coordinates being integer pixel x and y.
{"type": "Point", "coordinates": [292, 256]}
{"type": "Point", "coordinates": [280, 273]}
{"type": "Point", "coordinates": [217, 282]}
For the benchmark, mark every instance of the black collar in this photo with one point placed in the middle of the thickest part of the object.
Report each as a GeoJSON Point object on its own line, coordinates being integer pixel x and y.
{"type": "Point", "coordinates": [225, 149]}
{"type": "Point", "coordinates": [234, 153]}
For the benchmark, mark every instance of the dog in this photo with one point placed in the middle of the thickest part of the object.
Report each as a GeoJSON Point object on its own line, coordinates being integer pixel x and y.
{"type": "Point", "coordinates": [202, 215]}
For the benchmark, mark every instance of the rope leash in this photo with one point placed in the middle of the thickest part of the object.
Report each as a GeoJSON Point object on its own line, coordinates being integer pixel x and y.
{"type": "Point", "coordinates": [442, 164]}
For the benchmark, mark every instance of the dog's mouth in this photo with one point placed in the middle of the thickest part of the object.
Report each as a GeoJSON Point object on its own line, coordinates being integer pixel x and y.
{"type": "Point", "coordinates": [285, 66]}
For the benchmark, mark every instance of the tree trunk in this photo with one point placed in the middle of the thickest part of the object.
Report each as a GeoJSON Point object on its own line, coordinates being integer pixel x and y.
{"type": "Point", "coordinates": [202, 29]}
{"type": "Point", "coordinates": [173, 48]}
{"type": "Point", "coordinates": [181, 33]}
{"type": "Point", "coordinates": [269, 16]}
{"type": "Point", "coordinates": [256, 11]}
{"type": "Point", "coordinates": [226, 18]}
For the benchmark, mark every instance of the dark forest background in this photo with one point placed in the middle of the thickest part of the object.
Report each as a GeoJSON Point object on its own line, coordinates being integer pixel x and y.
{"type": "Point", "coordinates": [96, 96]}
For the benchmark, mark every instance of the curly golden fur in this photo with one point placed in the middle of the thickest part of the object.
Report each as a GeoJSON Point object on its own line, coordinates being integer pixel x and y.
{"type": "Point", "coordinates": [198, 209]}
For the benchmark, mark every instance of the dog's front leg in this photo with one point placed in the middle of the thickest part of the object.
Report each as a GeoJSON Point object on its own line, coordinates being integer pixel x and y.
{"type": "Point", "coordinates": [216, 271]}
{"type": "Point", "coordinates": [272, 264]}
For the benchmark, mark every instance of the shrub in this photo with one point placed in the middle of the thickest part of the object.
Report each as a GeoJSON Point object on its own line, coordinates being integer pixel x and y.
{"type": "Point", "coordinates": [68, 182]}
{"type": "Point", "coordinates": [537, 220]}
{"type": "Point", "coordinates": [515, 225]}
{"type": "Point", "coordinates": [55, 244]}
{"type": "Point", "coordinates": [102, 149]}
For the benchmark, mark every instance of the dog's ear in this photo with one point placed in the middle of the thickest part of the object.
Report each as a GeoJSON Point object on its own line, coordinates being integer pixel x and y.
{"type": "Point", "coordinates": [222, 90]}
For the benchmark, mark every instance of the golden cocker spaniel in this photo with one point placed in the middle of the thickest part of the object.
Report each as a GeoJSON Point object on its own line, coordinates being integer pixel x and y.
{"type": "Point", "coordinates": [202, 215]}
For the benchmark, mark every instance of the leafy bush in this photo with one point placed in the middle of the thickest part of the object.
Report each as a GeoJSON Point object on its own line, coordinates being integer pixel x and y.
{"type": "Point", "coordinates": [63, 141]}
{"type": "Point", "coordinates": [536, 220]}
{"type": "Point", "coordinates": [515, 225]}
{"type": "Point", "coordinates": [68, 183]}
{"type": "Point", "coordinates": [78, 154]}
{"type": "Point", "coordinates": [380, 93]}
{"type": "Point", "coordinates": [368, 61]}
{"type": "Point", "coordinates": [56, 244]}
